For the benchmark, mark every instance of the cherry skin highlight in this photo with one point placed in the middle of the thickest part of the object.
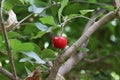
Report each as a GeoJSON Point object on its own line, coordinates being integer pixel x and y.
{"type": "Point", "coordinates": [59, 42]}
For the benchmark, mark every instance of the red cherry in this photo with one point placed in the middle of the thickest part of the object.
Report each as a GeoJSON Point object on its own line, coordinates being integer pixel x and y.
{"type": "Point", "coordinates": [59, 42]}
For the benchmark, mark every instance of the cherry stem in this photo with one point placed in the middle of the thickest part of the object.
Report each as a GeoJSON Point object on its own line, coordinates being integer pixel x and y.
{"type": "Point", "coordinates": [62, 29]}
{"type": "Point", "coordinates": [66, 20]}
{"type": "Point", "coordinates": [59, 51]}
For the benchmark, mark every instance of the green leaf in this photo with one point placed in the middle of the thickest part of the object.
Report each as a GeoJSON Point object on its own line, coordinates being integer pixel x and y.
{"type": "Point", "coordinates": [30, 29]}
{"type": "Point", "coordinates": [93, 1]}
{"type": "Point", "coordinates": [36, 48]}
{"type": "Point", "coordinates": [48, 53]}
{"type": "Point", "coordinates": [115, 76]}
{"type": "Point", "coordinates": [48, 20]}
{"type": "Point", "coordinates": [25, 59]}
{"type": "Point", "coordinates": [39, 35]}
{"type": "Point", "coordinates": [83, 12]}
{"type": "Point", "coordinates": [28, 71]}
{"type": "Point", "coordinates": [1, 41]}
{"type": "Point", "coordinates": [110, 7]}
{"type": "Point", "coordinates": [37, 2]}
{"type": "Point", "coordinates": [27, 47]}
{"type": "Point", "coordinates": [22, 1]}
{"type": "Point", "coordinates": [14, 35]}
{"type": "Point", "coordinates": [111, 27]}
{"type": "Point", "coordinates": [63, 4]}
{"type": "Point", "coordinates": [72, 9]}
{"type": "Point", "coordinates": [35, 9]}
{"type": "Point", "coordinates": [15, 44]}
{"type": "Point", "coordinates": [8, 5]}
{"type": "Point", "coordinates": [34, 56]}
{"type": "Point", "coordinates": [31, 1]}
{"type": "Point", "coordinates": [41, 27]}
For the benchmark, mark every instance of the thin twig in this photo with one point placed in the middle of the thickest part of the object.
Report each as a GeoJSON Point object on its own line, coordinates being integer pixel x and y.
{"type": "Point", "coordinates": [24, 19]}
{"type": "Point", "coordinates": [7, 43]}
{"type": "Point", "coordinates": [92, 61]}
{"type": "Point", "coordinates": [82, 17]}
{"type": "Point", "coordinates": [63, 25]}
{"type": "Point", "coordinates": [66, 21]}
{"type": "Point", "coordinates": [100, 58]}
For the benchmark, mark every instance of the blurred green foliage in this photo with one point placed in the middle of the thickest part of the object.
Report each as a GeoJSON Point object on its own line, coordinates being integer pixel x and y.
{"type": "Point", "coordinates": [47, 18]}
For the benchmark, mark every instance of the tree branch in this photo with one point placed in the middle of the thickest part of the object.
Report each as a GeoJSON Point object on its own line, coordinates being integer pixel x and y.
{"type": "Point", "coordinates": [73, 60]}
{"type": "Point", "coordinates": [108, 17]}
{"type": "Point", "coordinates": [7, 43]}
{"type": "Point", "coordinates": [117, 4]}
{"type": "Point", "coordinates": [55, 68]}
{"type": "Point", "coordinates": [6, 73]}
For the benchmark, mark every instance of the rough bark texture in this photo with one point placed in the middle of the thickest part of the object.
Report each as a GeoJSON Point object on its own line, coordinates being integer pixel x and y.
{"type": "Point", "coordinates": [107, 18]}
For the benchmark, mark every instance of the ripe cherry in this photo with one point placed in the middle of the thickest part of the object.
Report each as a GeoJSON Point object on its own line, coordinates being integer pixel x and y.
{"type": "Point", "coordinates": [59, 42]}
